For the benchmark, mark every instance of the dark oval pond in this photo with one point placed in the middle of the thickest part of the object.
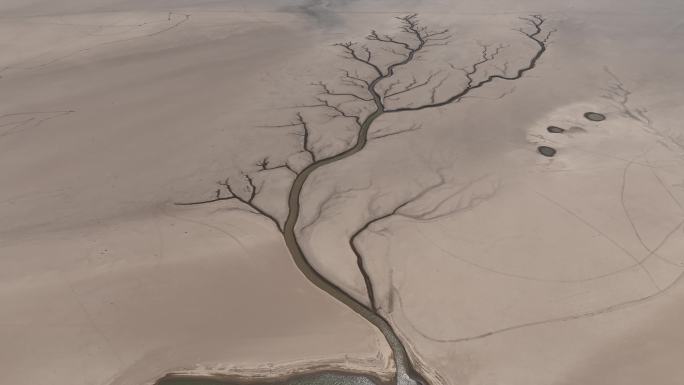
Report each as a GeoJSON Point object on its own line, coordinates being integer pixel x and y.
{"type": "Point", "coordinates": [555, 129]}
{"type": "Point", "coordinates": [594, 116]}
{"type": "Point", "coordinates": [546, 151]}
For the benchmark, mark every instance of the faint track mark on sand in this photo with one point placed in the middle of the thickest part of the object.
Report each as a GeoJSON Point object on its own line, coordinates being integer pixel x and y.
{"type": "Point", "coordinates": [588, 314]}
{"type": "Point", "coordinates": [27, 120]}
{"type": "Point", "coordinates": [184, 18]}
{"type": "Point", "coordinates": [244, 248]}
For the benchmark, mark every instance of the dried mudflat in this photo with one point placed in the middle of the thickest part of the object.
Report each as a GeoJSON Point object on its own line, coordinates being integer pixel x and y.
{"type": "Point", "coordinates": [550, 270]}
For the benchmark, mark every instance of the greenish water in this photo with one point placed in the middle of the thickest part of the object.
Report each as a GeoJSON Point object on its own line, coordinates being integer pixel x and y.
{"type": "Point", "coordinates": [322, 378]}
{"type": "Point", "coordinates": [595, 116]}
{"type": "Point", "coordinates": [546, 151]}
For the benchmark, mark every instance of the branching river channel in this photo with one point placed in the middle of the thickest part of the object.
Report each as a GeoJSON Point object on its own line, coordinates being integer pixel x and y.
{"type": "Point", "coordinates": [376, 89]}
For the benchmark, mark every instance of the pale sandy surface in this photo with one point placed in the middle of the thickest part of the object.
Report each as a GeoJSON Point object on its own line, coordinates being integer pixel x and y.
{"type": "Point", "coordinates": [555, 271]}
{"type": "Point", "coordinates": [107, 117]}
{"type": "Point", "coordinates": [129, 299]}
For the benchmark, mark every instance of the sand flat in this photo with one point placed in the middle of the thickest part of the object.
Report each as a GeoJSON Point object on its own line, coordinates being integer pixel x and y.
{"type": "Point", "coordinates": [521, 268]}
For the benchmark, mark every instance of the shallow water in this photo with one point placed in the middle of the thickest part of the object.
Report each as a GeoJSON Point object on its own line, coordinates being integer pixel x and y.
{"type": "Point", "coordinates": [323, 378]}
{"type": "Point", "coordinates": [547, 151]}
{"type": "Point", "coordinates": [595, 116]}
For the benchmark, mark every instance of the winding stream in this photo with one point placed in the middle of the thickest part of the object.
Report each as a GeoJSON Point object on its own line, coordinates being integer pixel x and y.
{"type": "Point", "coordinates": [405, 373]}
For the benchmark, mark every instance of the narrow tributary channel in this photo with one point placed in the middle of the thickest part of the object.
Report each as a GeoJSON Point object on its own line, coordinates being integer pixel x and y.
{"type": "Point", "coordinates": [405, 374]}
